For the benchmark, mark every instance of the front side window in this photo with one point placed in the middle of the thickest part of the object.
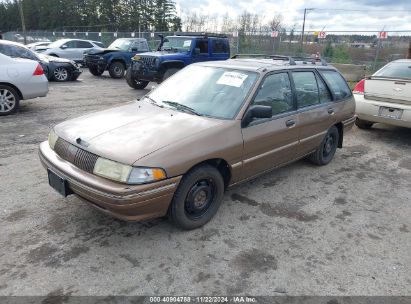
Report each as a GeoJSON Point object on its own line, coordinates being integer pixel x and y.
{"type": "Point", "coordinates": [141, 46]}
{"type": "Point", "coordinates": [84, 45]}
{"type": "Point", "coordinates": [276, 93]}
{"type": "Point", "coordinates": [337, 84]}
{"type": "Point", "coordinates": [202, 45]}
{"type": "Point", "coordinates": [306, 89]}
{"type": "Point", "coordinates": [214, 92]}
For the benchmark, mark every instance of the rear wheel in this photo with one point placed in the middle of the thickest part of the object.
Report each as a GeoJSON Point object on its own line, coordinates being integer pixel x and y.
{"type": "Point", "coordinates": [9, 100]}
{"type": "Point", "coordinates": [170, 72]}
{"type": "Point", "coordinates": [135, 83]}
{"type": "Point", "coordinates": [363, 124]}
{"type": "Point", "coordinates": [197, 198]}
{"type": "Point", "coordinates": [325, 152]}
{"type": "Point", "coordinates": [117, 69]}
{"type": "Point", "coordinates": [61, 74]}
{"type": "Point", "coordinates": [95, 71]}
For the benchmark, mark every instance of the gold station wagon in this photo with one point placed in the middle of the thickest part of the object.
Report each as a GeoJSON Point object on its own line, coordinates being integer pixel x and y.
{"type": "Point", "coordinates": [210, 126]}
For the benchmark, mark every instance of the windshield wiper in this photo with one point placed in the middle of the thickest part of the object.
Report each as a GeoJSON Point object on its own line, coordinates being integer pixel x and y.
{"type": "Point", "coordinates": [180, 106]}
{"type": "Point", "coordinates": [152, 101]}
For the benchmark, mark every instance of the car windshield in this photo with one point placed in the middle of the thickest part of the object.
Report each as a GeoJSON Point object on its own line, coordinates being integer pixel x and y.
{"type": "Point", "coordinates": [395, 70]}
{"type": "Point", "coordinates": [121, 44]}
{"type": "Point", "coordinates": [180, 44]}
{"type": "Point", "coordinates": [207, 91]}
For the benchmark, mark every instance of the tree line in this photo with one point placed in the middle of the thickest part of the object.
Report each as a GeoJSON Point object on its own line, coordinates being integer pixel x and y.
{"type": "Point", "coordinates": [92, 15]}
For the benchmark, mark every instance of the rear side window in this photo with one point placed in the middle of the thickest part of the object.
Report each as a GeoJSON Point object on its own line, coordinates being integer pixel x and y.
{"type": "Point", "coordinates": [337, 84]}
{"type": "Point", "coordinates": [306, 89]}
{"type": "Point", "coordinates": [84, 45]}
{"type": "Point", "coordinates": [220, 46]}
{"type": "Point", "coordinates": [6, 50]}
{"type": "Point", "coordinates": [396, 70]}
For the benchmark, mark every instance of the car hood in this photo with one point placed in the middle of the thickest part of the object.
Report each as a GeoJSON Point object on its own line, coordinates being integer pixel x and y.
{"type": "Point", "coordinates": [169, 54]}
{"type": "Point", "coordinates": [129, 132]}
{"type": "Point", "coordinates": [102, 51]}
{"type": "Point", "coordinates": [48, 58]}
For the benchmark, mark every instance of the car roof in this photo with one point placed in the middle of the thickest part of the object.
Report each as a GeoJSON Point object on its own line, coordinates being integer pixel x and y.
{"type": "Point", "coordinates": [12, 43]}
{"type": "Point", "coordinates": [264, 65]}
{"type": "Point", "coordinates": [402, 60]}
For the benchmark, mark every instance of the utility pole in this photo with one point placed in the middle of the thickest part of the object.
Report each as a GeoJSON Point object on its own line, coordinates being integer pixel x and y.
{"type": "Point", "coordinates": [23, 23]}
{"type": "Point", "coordinates": [302, 32]}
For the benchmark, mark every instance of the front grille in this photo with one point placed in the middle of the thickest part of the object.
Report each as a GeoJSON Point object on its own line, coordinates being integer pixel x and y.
{"type": "Point", "coordinates": [148, 61]}
{"type": "Point", "coordinates": [78, 157]}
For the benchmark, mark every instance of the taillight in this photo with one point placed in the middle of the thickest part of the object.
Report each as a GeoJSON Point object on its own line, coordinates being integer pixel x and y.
{"type": "Point", "coordinates": [38, 71]}
{"type": "Point", "coordinates": [359, 87]}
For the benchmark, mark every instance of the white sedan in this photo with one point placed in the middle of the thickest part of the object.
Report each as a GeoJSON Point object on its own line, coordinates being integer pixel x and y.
{"type": "Point", "coordinates": [20, 79]}
{"type": "Point", "coordinates": [385, 97]}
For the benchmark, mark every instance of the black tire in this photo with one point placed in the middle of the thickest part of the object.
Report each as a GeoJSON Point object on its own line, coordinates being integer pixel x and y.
{"type": "Point", "coordinates": [117, 70]}
{"type": "Point", "coordinates": [95, 71]}
{"type": "Point", "coordinates": [325, 152]}
{"type": "Point", "coordinates": [9, 100]}
{"type": "Point", "coordinates": [363, 124]}
{"type": "Point", "coordinates": [170, 72]}
{"type": "Point", "coordinates": [61, 74]}
{"type": "Point", "coordinates": [187, 211]}
{"type": "Point", "coordinates": [135, 83]}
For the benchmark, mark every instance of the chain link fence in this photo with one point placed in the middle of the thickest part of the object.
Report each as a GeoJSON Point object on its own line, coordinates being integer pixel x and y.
{"type": "Point", "coordinates": [337, 47]}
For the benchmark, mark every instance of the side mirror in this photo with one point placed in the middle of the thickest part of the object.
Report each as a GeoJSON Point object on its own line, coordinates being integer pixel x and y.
{"type": "Point", "coordinates": [197, 51]}
{"type": "Point", "coordinates": [134, 49]}
{"type": "Point", "coordinates": [256, 112]}
{"type": "Point", "coordinates": [64, 46]}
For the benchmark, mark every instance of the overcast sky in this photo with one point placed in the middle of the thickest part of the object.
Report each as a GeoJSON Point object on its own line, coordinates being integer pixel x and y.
{"type": "Point", "coordinates": [393, 14]}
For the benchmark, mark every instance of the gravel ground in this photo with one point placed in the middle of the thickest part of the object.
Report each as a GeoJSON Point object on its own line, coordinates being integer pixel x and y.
{"type": "Point", "coordinates": [342, 229]}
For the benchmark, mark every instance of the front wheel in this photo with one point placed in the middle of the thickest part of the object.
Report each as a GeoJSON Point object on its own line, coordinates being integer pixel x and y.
{"type": "Point", "coordinates": [325, 152]}
{"type": "Point", "coordinates": [9, 100]}
{"type": "Point", "coordinates": [95, 71]}
{"type": "Point", "coordinates": [61, 74]}
{"type": "Point", "coordinates": [135, 83]}
{"type": "Point", "coordinates": [363, 124]}
{"type": "Point", "coordinates": [197, 198]}
{"type": "Point", "coordinates": [116, 70]}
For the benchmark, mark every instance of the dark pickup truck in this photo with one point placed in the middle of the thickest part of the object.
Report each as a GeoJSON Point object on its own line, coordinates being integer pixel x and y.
{"type": "Point", "coordinates": [174, 53]}
{"type": "Point", "coordinates": [116, 58]}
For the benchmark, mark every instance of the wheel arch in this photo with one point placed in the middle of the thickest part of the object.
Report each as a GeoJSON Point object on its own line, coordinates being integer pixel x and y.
{"type": "Point", "coordinates": [220, 164]}
{"type": "Point", "coordinates": [170, 64]}
{"type": "Point", "coordinates": [14, 87]}
{"type": "Point", "coordinates": [116, 59]}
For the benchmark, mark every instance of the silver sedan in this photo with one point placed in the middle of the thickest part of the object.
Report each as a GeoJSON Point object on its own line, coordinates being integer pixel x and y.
{"type": "Point", "coordinates": [20, 79]}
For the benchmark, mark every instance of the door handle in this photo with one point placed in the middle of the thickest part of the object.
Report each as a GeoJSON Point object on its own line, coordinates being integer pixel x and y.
{"type": "Point", "coordinates": [330, 111]}
{"type": "Point", "coordinates": [289, 123]}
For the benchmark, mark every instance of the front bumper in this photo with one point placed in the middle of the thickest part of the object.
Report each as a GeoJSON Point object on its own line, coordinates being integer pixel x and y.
{"type": "Point", "coordinates": [368, 109]}
{"type": "Point", "coordinates": [126, 202]}
{"type": "Point", "coordinates": [99, 64]}
{"type": "Point", "coordinates": [141, 72]}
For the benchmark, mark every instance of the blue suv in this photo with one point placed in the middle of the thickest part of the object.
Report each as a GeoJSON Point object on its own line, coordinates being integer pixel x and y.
{"type": "Point", "coordinates": [116, 58]}
{"type": "Point", "coordinates": [174, 53]}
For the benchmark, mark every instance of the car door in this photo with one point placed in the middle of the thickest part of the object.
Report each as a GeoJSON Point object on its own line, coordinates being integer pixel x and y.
{"type": "Point", "coordinates": [315, 109]}
{"type": "Point", "coordinates": [81, 47]}
{"type": "Point", "coordinates": [67, 50]}
{"type": "Point", "coordinates": [271, 142]}
{"type": "Point", "coordinates": [219, 49]}
{"type": "Point", "coordinates": [201, 50]}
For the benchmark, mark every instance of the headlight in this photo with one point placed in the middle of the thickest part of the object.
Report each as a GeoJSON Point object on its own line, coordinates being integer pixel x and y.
{"type": "Point", "coordinates": [52, 139]}
{"type": "Point", "coordinates": [127, 174]}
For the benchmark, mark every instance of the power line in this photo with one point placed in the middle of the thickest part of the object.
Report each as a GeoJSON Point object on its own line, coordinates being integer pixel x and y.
{"type": "Point", "coordinates": [358, 10]}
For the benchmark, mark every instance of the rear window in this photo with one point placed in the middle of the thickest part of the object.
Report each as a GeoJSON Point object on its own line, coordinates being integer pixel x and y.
{"type": "Point", "coordinates": [395, 70]}
{"type": "Point", "coordinates": [337, 84]}
{"type": "Point", "coordinates": [220, 46]}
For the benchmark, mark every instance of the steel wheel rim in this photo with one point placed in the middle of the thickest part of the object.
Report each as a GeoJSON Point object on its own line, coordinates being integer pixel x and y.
{"type": "Point", "coordinates": [7, 101]}
{"type": "Point", "coordinates": [328, 145]}
{"type": "Point", "coordinates": [60, 74]}
{"type": "Point", "coordinates": [199, 198]}
{"type": "Point", "coordinates": [118, 70]}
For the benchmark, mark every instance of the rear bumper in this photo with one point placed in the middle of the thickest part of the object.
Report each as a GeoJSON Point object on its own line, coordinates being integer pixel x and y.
{"type": "Point", "coordinates": [367, 109]}
{"type": "Point", "coordinates": [37, 86]}
{"type": "Point", "coordinates": [349, 123]}
{"type": "Point", "coordinates": [126, 202]}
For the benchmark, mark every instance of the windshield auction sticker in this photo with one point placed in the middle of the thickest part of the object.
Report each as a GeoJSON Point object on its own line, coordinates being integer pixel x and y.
{"type": "Point", "coordinates": [233, 79]}
{"type": "Point", "coordinates": [187, 43]}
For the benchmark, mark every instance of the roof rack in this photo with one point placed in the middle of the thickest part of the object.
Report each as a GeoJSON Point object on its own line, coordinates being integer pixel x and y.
{"type": "Point", "coordinates": [291, 59]}
{"type": "Point", "coordinates": [203, 34]}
